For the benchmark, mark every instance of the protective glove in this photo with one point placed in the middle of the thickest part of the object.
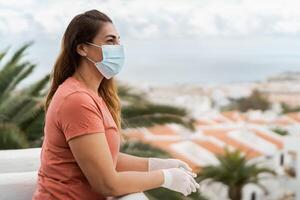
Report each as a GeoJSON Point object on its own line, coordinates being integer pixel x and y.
{"type": "Point", "coordinates": [159, 163]}
{"type": "Point", "coordinates": [177, 179]}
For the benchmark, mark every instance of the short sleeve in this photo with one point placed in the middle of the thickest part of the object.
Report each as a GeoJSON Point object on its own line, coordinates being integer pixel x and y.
{"type": "Point", "coordinates": [79, 115]}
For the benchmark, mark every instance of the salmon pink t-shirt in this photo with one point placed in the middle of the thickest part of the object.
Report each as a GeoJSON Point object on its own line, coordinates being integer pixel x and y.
{"type": "Point", "coordinates": [74, 110]}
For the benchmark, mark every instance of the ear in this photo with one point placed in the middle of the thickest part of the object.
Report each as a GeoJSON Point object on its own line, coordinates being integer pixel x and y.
{"type": "Point", "coordinates": [81, 49]}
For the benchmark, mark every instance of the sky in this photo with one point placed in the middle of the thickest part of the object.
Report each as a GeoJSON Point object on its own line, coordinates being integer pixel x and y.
{"type": "Point", "coordinates": [169, 42]}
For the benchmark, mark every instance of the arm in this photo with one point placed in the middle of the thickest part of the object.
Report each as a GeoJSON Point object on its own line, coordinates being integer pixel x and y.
{"type": "Point", "coordinates": [128, 162]}
{"type": "Point", "coordinates": [83, 127]}
{"type": "Point", "coordinates": [92, 154]}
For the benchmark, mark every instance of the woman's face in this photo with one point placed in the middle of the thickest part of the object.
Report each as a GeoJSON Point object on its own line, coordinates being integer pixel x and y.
{"type": "Point", "coordinates": [108, 35]}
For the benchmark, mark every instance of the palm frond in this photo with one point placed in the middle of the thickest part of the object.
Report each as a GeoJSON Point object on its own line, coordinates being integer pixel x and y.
{"type": "Point", "coordinates": [33, 124]}
{"type": "Point", "coordinates": [11, 137]}
{"type": "Point", "coordinates": [13, 105]}
{"type": "Point", "coordinates": [7, 76]}
{"type": "Point", "coordinates": [234, 171]}
{"type": "Point", "coordinates": [138, 148]}
{"type": "Point", "coordinates": [36, 88]}
{"type": "Point", "coordinates": [3, 53]}
{"type": "Point", "coordinates": [21, 112]}
{"type": "Point", "coordinates": [147, 120]}
{"type": "Point", "coordinates": [24, 72]}
{"type": "Point", "coordinates": [17, 56]}
{"type": "Point", "coordinates": [127, 93]}
{"type": "Point", "coordinates": [135, 110]}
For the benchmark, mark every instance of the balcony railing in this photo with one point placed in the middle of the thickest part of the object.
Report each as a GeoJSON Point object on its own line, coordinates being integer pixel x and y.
{"type": "Point", "coordinates": [18, 175]}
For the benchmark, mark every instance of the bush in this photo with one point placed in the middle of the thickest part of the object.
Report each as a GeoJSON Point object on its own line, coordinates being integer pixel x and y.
{"type": "Point", "coordinates": [256, 101]}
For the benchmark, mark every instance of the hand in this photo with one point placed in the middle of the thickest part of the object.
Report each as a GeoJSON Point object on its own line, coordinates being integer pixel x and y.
{"type": "Point", "coordinates": [179, 180]}
{"type": "Point", "coordinates": [158, 163]}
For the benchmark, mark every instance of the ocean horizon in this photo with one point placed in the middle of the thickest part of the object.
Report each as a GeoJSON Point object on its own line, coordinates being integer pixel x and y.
{"type": "Point", "coordinates": [202, 61]}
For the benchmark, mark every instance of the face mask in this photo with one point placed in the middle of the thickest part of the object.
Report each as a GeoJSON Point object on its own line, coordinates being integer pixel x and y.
{"type": "Point", "coordinates": [113, 59]}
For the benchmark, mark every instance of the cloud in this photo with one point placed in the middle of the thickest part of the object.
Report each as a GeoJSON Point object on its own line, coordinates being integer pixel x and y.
{"type": "Point", "coordinates": [140, 19]}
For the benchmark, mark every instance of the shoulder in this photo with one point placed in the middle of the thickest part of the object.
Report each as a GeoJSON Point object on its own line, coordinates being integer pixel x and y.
{"type": "Point", "coordinates": [79, 97]}
{"type": "Point", "coordinates": [77, 101]}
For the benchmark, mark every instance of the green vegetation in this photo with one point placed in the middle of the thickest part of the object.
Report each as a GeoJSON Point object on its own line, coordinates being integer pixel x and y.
{"type": "Point", "coordinates": [288, 109]}
{"type": "Point", "coordinates": [21, 110]}
{"type": "Point", "coordinates": [235, 172]}
{"type": "Point", "coordinates": [138, 148]}
{"type": "Point", "coordinates": [256, 101]}
{"type": "Point", "coordinates": [138, 111]}
{"type": "Point", "coordinates": [280, 131]}
{"type": "Point", "coordinates": [165, 194]}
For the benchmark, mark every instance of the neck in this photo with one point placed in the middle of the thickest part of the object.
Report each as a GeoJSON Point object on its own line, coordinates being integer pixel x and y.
{"type": "Point", "coordinates": [89, 75]}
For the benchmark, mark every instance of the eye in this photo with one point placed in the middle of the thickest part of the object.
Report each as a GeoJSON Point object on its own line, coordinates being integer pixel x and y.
{"type": "Point", "coordinates": [110, 41]}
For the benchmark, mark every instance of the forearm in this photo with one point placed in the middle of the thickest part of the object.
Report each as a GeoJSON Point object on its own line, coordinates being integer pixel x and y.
{"type": "Point", "coordinates": [133, 181]}
{"type": "Point", "coordinates": [128, 162]}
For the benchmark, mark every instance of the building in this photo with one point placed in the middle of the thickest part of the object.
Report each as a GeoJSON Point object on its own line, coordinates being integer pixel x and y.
{"type": "Point", "coordinates": [254, 133]}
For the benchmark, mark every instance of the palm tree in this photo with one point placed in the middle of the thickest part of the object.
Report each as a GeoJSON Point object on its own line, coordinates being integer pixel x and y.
{"type": "Point", "coordinates": [235, 171]}
{"type": "Point", "coordinates": [138, 111]}
{"type": "Point", "coordinates": [21, 110]}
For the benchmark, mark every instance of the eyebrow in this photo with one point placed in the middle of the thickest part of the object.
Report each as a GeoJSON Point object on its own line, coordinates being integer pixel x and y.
{"type": "Point", "coordinates": [113, 36]}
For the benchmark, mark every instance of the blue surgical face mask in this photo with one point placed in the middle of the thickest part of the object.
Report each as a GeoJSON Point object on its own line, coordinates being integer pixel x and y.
{"type": "Point", "coordinates": [113, 59]}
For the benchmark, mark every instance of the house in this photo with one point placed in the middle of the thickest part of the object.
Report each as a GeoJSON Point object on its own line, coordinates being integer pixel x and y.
{"type": "Point", "coordinates": [252, 133]}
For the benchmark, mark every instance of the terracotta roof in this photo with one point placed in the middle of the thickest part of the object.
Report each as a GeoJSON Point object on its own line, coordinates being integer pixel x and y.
{"type": "Point", "coordinates": [214, 133]}
{"type": "Point", "coordinates": [209, 146]}
{"type": "Point", "coordinates": [273, 140]}
{"type": "Point", "coordinates": [165, 145]}
{"type": "Point", "coordinates": [295, 116]}
{"type": "Point", "coordinates": [283, 120]}
{"type": "Point", "coordinates": [161, 130]}
{"type": "Point", "coordinates": [222, 135]}
{"type": "Point", "coordinates": [234, 116]}
{"type": "Point", "coordinates": [203, 122]}
{"type": "Point", "coordinates": [133, 133]}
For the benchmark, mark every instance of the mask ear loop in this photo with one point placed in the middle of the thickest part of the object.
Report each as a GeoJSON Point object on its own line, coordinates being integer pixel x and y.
{"type": "Point", "coordinates": [100, 46]}
{"type": "Point", "coordinates": [95, 46]}
{"type": "Point", "coordinates": [90, 59]}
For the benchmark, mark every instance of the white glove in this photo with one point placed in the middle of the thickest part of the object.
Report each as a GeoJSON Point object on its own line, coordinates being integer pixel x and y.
{"type": "Point", "coordinates": [159, 163]}
{"type": "Point", "coordinates": [177, 179]}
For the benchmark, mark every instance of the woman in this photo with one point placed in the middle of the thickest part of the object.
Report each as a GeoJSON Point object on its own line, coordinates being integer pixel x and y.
{"type": "Point", "coordinates": [80, 156]}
